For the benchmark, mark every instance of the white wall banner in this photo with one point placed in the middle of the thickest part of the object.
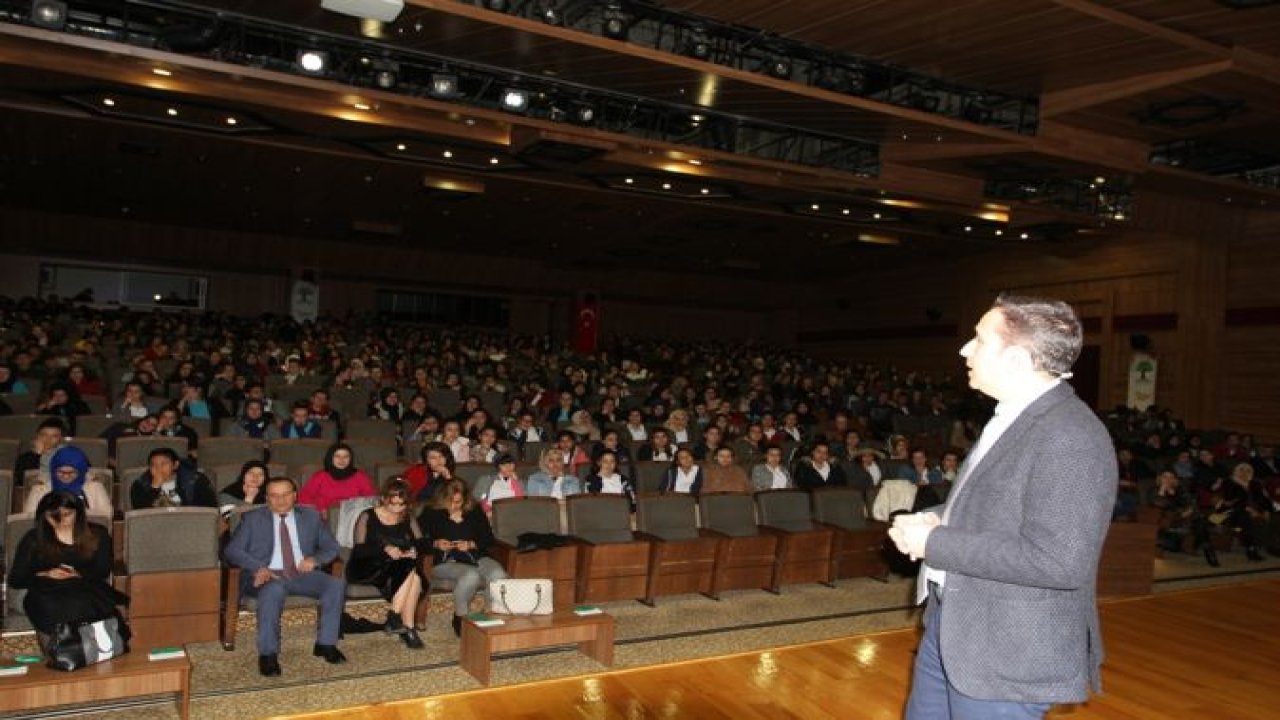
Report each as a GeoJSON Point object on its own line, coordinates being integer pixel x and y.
{"type": "Point", "coordinates": [1142, 381]}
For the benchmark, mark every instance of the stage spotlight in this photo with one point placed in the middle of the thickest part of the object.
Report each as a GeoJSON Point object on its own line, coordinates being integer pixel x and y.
{"type": "Point", "coordinates": [385, 79]}
{"type": "Point", "coordinates": [616, 23]}
{"type": "Point", "coordinates": [515, 99]}
{"type": "Point", "coordinates": [445, 86]}
{"type": "Point", "coordinates": [50, 14]}
{"type": "Point", "coordinates": [313, 62]}
{"type": "Point", "coordinates": [584, 114]}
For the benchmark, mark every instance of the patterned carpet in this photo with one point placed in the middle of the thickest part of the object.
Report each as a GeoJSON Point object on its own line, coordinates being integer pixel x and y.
{"type": "Point", "coordinates": [226, 684]}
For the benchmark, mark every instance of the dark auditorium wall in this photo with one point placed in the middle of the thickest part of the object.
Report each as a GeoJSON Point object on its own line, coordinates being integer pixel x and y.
{"type": "Point", "coordinates": [1198, 278]}
{"type": "Point", "coordinates": [250, 273]}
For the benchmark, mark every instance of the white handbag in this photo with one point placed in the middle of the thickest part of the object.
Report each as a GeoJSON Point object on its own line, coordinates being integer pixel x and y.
{"type": "Point", "coordinates": [520, 597]}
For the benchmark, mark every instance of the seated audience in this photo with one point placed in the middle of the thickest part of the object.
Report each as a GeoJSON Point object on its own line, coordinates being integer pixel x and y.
{"type": "Point", "coordinates": [459, 445]}
{"type": "Point", "coordinates": [387, 540]}
{"type": "Point", "coordinates": [1180, 517]}
{"type": "Point", "coordinates": [339, 480]}
{"type": "Point", "coordinates": [387, 406]}
{"type": "Point", "coordinates": [49, 436]}
{"type": "Point", "coordinates": [254, 423]}
{"type": "Point", "coordinates": [249, 487]}
{"type": "Point", "coordinates": [501, 484]}
{"type": "Point", "coordinates": [432, 474]}
{"type": "Point", "coordinates": [551, 480]}
{"type": "Point", "coordinates": [571, 452]}
{"type": "Point", "coordinates": [300, 426]}
{"type": "Point", "coordinates": [725, 475]}
{"type": "Point", "coordinates": [866, 474]}
{"type": "Point", "coordinates": [635, 427]}
{"type": "Point", "coordinates": [69, 473]}
{"type": "Point", "coordinates": [684, 476]}
{"type": "Point", "coordinates": [582, 425]}
{"type": "Point", "coordinates": [485, 448]}
{"type": "Point", "coordinates": [169, 483]}
{"type": "Point", "coordinates": [770, 474]}
{"type": "Point", "coordinates": [526, 430]}
{"type": "Point", "coordinates": [678, 426]}
{"type": "Point", "coordinates": [64, 564]}
{"type": "Point", "coordinates": [281, 548]}
{"type": "Point", "coordinates": [928, 480]}
{"type": "Point", "coordinates": [607, 479]}
{"type": "Point", "coordinates": [705, 449]}
{"type": "Point", "coordinates": [817, 470]}
{"type": "Point", "coordinates": [460, 538]}
{"type": "Point", "coordinates": [659, 447]}
{"type": "Point", "coordinates": [10, 384]}
{"type": "Point", "coordinates": [169, 424]}
{"type": "Point", "coordinates": [132, 404]}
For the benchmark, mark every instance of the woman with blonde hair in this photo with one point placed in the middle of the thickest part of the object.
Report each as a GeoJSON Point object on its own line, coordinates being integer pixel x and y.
{"type": "Point", "coordinates": [551, 480]}
{"type": "Point", "coordinates": [460, 536]}
{"type": "Point", "coordinates": [678, 424]}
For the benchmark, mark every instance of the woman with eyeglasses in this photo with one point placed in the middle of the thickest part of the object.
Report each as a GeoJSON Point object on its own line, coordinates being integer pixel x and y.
{"type": "Point", "coordinates": [69, 472]}
{"type": "Point", "coordinates": [387, 539]}
{"type": "Point", "coordinates": [63, 563]}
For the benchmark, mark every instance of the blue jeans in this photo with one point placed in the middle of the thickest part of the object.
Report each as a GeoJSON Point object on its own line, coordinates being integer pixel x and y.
{"type": "Point", "coordinates": [934, 698]}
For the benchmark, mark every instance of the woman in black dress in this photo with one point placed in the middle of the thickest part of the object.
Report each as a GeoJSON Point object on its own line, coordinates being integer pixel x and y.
{"type": "Point", "coordinates": [387, 538]}
{"type": "Point", "coordinates": [63, 563]}
{"type": "Point", "coordinates": [460, 535]}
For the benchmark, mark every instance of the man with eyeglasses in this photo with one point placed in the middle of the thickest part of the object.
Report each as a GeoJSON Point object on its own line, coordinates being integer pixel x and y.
{"type": "Point", "coordinates": [280, 548]}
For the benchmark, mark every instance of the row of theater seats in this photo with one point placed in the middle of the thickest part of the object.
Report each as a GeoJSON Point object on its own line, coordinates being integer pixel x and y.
{"type": "Point", "coordinates": [168, 558]}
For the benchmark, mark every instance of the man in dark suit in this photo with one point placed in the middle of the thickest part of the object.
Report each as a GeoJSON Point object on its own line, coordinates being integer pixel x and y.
{"type": "Point", "coordinates": [280, 548]}
{"type": "Point", "coordinates": [1011, 560]}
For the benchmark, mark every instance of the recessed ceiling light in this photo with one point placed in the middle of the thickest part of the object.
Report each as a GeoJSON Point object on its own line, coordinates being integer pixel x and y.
{"type": "Point", "coordinates": [706, 191]}
{"type": "Point", "coordinates": [999, 233]}
{"type": "Point", "coordinates": [815, 206]}
{"type": "Point", "coordinates": [161, 72]}
{"type": "Point", "coordinates": [696, 117]}
{"type": "Point", "coordinates": [401, 147]}
{"type": "Point", "coordinates": [844, 211]}
{"type": "Point", "coordinates": [694, 161]}
{"type": "Point", "coordinates": [1100, 180]}
{"type": "Point", "coordinates": [173, 112]}
{"type": "Point", "coordinates": [447, 153]}
{"type": "Point", "coordinates": [108, 102]}
{"type": "Point", "coordinates": [1024, 236]}
{"type": "Point", "coordinates": [876, 216]}
{"type": "Point", "coordinates": [231, 121]}
{"type": "Point", "coordinates": [968, 228]}
{"type": "Point", "coordinates": [360, 106]}
{"type": "Point", "coordinates": [493, 161]}
{"type": "Point", "coordinates": [630, 181]}
{"type": "Point", "coordinates": [666, 186]}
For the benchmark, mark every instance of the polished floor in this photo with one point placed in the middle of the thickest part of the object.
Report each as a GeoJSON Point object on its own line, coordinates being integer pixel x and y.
{"type": "Point", "coordinates": [1211, 653]}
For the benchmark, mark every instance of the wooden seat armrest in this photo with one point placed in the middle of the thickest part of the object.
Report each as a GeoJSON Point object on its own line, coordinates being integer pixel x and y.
{"type": "Point", "coordinates": [707, 532]}
{"type": "Point", "coordinates": [639, 535]}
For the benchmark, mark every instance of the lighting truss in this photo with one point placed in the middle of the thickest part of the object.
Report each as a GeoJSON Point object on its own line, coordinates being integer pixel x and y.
{"type": "Point", "coordinates": [363, 62]}
{"type": "Point", "coordinates": [1209, 158]}
{"type": "Point", "coordinates": [1104, 198]}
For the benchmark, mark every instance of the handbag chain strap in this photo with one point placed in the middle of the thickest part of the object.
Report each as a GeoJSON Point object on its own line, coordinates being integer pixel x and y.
{"type": "Point", "coordinates": [537, 589]}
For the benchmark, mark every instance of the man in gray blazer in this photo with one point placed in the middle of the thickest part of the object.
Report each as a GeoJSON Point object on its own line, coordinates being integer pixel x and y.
{"type": "Point", "coordinates": [1011, 559]}
{"type": "Point", "coordinates": [280, 548]}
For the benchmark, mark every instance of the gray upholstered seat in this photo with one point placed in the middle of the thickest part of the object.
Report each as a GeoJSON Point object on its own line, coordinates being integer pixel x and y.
{"type": "Point", "coordinates": [296, 453]}
{"type": "Point", "coordinates": [731, 514]}
{"type": "Point", "coordinates": [370, 428]}
{"type": "Point", "coordinates": [355, 591]}
{"type": "Point", "coordinates": [856, 547]}
{"type": "Point", "coordinates": [92, 426]}
{"type": "Point", "coordinates": [16, 525]}
{"type": "Point", "coordinates": [843, 507]}
{"type": "Point", "coordinates": [6, 499]}
{"type": "Point", "coordinates": [368, 452]}
{"type": "Point", "coordinates": [649, 475]}
{"type": "Point", "coordinates": [804, 547]}
{"type": "Point", "coordinates": [8, 453]}
{"type": "Point", "coordinates": [612, 563]}
{"type": "Point", "coordinates": [94, 448]}
{"type": "Point", "coordinates": [745, 557]}
{"type": "Point", "coordinates": [785, 510]}
{"type": "Point", "coordinates": [133, 451]}
{"type": "Point", "coordinates": [20, 427]}
{"type": "Point", "coordinates": [470, 473]}
{"type": "Point", "coordinates": [236, 451]}
{"type": "Point", "coordinates": [176, 538]}
{"type": "Point", "coordinates": [513, 517]}
{"type": "Point", "coordinates": [682, 559]}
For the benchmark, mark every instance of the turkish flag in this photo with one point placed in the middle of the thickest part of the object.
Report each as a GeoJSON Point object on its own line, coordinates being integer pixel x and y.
{"type": "Point", "coordinates": [586, 324]}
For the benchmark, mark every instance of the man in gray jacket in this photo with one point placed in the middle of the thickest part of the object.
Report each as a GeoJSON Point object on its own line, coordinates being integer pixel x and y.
{"type": "Point", "coordinates": [1011, 559]}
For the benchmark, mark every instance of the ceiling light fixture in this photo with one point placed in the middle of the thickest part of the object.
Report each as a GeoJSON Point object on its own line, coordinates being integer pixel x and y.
{"type": "Point", "coordinates": [445, 86]}
{"type": "Point", "coordinates": [515, 99]}
{"type": "Point", "coordinates": [313, 62]}
{"type": "Point", "coordinates": [162, 72]}
{"type": "Point", "coordinates": [616, 23]}
{"type": "Point", "coordinates": [49, 14]}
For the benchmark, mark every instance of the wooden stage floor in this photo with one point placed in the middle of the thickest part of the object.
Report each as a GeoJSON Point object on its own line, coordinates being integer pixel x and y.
{"type": "Point", "coordinates": [1208, 653]}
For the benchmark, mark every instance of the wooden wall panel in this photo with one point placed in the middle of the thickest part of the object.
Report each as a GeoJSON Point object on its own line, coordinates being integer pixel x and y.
{"type": "Point", "coordinates": [1249, 383]}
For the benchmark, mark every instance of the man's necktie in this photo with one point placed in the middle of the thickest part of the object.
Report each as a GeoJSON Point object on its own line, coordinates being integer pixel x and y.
{"type": "Point", "coordinates": [286, 550]}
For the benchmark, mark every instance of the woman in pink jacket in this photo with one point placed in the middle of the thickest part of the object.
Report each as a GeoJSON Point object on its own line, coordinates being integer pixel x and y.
{"type": "Point", "coordinates": [339, 480]}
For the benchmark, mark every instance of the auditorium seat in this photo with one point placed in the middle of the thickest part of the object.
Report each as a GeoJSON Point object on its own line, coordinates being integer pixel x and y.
{"type": "Point", "coordinates": [804, 547]}
{"type": "Point", "coordinates": [9, 451]}
{"type": "Point", "coordinates": [345, 540]}
{"type": "Point", "coordinates": [93, 426]}
{"type": "Point", "coordinates": [93, 448]}
{"type": "Point", "coordinates": [471, 472]}
{"type": "Point", "coordinates": [856, 542]}
{"type": "Point", "coordinates": [223, 475]}
{"type": "Point", "coordinates": [16, 525]}
{"type": "Point", "coordinates": [368, 452]}
{"type": "Point", "coordinates": [219, 451]}
{"type": "Point", "coordinates": [513, 517]}
{"type": "Point", "coordinates": [20, 427]}
{"type": "Point", "coordinates": [384, 471]}
{"type": "Point", "coordinates": [531, 452]}
{"type": "Point", "coordinates": [681, 560]}
{"type": "Point", "coordinates": [293, 454]}
{"type": "Point", "coordinates": [745, 557]}
{"type": "Point", "coordinates": [172, 573]}
{"type": "Point", "coordinates": [369, 428]}
{"type": "Point", "coordinates": [132, 452]}
{"type": "Point", "coordinates": [612, 563]}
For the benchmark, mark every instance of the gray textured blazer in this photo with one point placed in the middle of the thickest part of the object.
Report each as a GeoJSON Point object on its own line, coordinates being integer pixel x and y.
{"type": "Point", "coordinates": [1019, 617]}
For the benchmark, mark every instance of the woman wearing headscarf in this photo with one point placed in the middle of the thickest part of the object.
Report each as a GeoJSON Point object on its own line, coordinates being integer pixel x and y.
{"type": "Point", "coordinates": [69, 473]}
{"type": "Point", "coordinates": [387, 407]}
{"type": "Point", "coordinates": [339, 480]}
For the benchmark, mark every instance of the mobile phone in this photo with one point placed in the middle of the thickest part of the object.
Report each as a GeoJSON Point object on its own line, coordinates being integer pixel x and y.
{"type": "Point", "coordinates": [66, 567]}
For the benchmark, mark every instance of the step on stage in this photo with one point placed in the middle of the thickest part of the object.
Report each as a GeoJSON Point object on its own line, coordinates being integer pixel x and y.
{"type": "Point", "coordinates": [1208, 653]}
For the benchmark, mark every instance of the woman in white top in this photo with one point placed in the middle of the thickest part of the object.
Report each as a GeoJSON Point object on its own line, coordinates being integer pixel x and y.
{"type": "Point", "coordinates": [770, 474]}
{"type": "Point", "coordinates": [458, 443]}
{"type": "Point", "coordinates": [636, 427]}
{"type": "Point", "coordinates": [502, 484]}
{"type": "Point", "coordinates": [606, 480]}
{"type": "Point", "coordinates": [685, 476]}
